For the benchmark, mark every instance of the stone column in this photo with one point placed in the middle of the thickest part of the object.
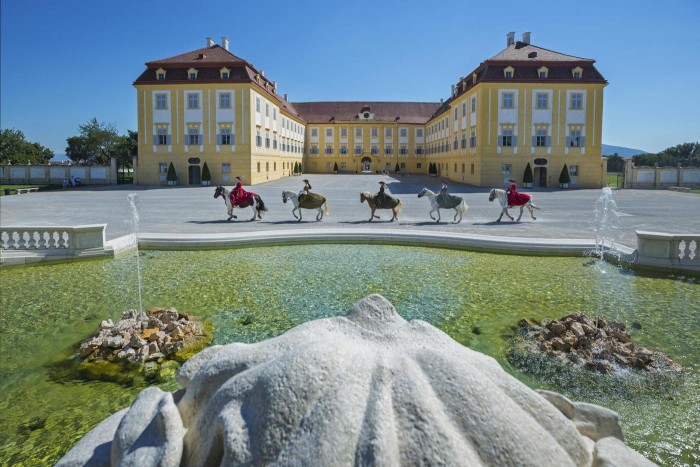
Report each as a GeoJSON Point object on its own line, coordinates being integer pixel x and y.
{"type": "Point", "coordinates": [113, 173]}
{"type": "Point", "coordinates": [628, 173]}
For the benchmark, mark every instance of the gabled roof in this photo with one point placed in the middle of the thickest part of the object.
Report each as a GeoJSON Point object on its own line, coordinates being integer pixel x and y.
{"type": "Point", "coordinates": [207, 56]}
{"type": "Point", "coordinates": [399, 112]}
{"type": "Point", "coordinates": [523, 52]}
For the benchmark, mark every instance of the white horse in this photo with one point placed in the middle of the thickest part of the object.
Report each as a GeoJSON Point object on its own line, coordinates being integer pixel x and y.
{"type": "Point", "coordinates": [454, 202]}
{"type": "Point", "coordinates": [254, 202]}
{"type": "Point", "coordinates": [318, 202]}
{"type": "Point", "coordinates": [502, 196]}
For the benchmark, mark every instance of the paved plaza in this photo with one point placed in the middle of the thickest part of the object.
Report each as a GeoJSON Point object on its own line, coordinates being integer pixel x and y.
{"type": "Point", "coordinates": [564, 214]}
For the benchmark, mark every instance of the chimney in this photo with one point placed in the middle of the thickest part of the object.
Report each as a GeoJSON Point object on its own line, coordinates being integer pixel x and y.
{"type": "Point", "coordinates": [452, 90]}
{"type": "Point", "coordinates": [285, 97]}
{"type": "Point", "coordinates": [224, 42]}
{"type": "Point", "coordinates": [210, 42]}
{"type": "Point", "coordinates": [510, 38]}
{"type": "Point", "coordinates": [526, 37]}
{"type": "Point", "coordinates": [262, 72]}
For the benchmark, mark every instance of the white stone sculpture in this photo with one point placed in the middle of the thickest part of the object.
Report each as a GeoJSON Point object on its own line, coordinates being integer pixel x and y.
{"type": "Point", "coordinates": [369, 388]}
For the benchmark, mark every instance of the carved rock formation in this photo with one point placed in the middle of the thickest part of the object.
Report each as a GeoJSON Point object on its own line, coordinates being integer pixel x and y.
{"type": "Point", "coordinates": [366, 389]}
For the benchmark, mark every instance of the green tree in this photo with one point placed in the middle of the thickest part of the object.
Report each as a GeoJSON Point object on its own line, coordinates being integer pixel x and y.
{"type": "Point", "coordinates": [96, 143]}
{"type": "Point", "coordinates": [686, 154]}
{"type": "Point", "coordinates": [171, 176]}
{"type": "Point", "coordinates": [335, 167]}
{"type": "Point", "coordinates": [15, 149]}
{"type": "Point", "coordinates": [397, 169]}
{"type": "Point", "coordinates": [206, 174]}
{"type": "Point", "coordinates": [616, 163]}
{"type": "Point", "coordinates": [564, 176]}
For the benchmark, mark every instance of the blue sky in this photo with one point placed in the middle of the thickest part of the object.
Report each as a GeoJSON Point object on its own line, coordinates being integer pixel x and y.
{"type": "Point", "coordinates": [64, 62]}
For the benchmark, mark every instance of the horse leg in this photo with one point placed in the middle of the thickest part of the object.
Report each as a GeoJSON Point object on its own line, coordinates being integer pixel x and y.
{"type": "Point", "coordinates": [319, 216]}
{"type": "Point", "coordinates": [438, 211]}
{"type": "Point", "coordinates": [254, 213]}
{"type": "Point", "coordinates": [455, 218]}
{"type": "Point", "coordinates": [294, 213]}
{"type": "Point", "coordinates": [431, 213]}
{"type": "Point", "coordinates": [393, 217]}
{"type": "Point", "coordinates": [521, 214]}
{"type": "Point", "coordinates": [532, 212]}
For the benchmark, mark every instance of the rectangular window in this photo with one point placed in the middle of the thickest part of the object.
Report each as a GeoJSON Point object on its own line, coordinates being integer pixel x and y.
{"type": "Point", "coordinates": [329, 149]}
{"type": "Point", "coordinates": [192, 101]}
{"type": "Point", "coordinates": [388, 133]}
{"type": "Point", "coordinates": [274, 143]}
{"type": "Point", "coordinates": [473, 104]}
{"type": "Point", "coordinates": [358, 149]}
{"type": "Point", "coordinates": [267, 140]}
{"type": "Point", "coordinates": [573, 170]}
{"type": "Point", "coordinates": [507, 100]}
{"type": "Point", "coordinates": [543, 74]}
{"type": "Point", "coordinates": [274, 113]}
{"type": "Point", "coordinates": [464, 109]}
{"type": "Point", "coordinates": [226, 168]}
{"type": "Point", "coordinates": [455, 144]}
{"type": "Point", "coordinates": [505, 169]}
{"type": "Point", "coordinates": [161, 101]}
{"type": "Point", "coordinates": [226, 136]}
{"type": "Point", "coordinates": [507, 137]}
{"type": "Point", "coordinates": [509, 74]}
{"type": "Point", "coordinates": [314, 149]}
{"type": "Point", "coordinates": [541, 137]}
{"type": "Point", "coordinates": [193, 136]}
{"type": "Point", "coordinates": [192, 75]}
{"type": "Point", "coordinates": [314, 132]}
{"type": "Point", "coordinates": [343, 166]}
{"type": "Point", "coordinates": [418, 165]}
{"type": "Point", "coordinates": [576, 101]}
{"type": "Point", "coordinates": [163, 168]}
{"type": "Point", "coordinates": [472, 139]}
{"type": "Point", "coordinates": [456, 111]}
{"type": "Point", "coordinates": [403, 132]}
{"type": "Point", "coordinates": [258, 140]}
{"type": "Point", "coordinates": [358, 132]}
{"type": "Point", "coordinates": [375, 149]}
{"type": "Point", "coordinates": [224, 75]}
{"type": "Point", "coordinates": [577, 75]}
{"type": "Point", "coordinates": [257, 107]}
{"type": "Point", "coordinates": [403, 150]}
{"type": "Point", "coordinates": [464, 141]}
{"type": "Point", "coordinates": [575, 138]}
{"type": "Point", "coordinates": [160, 76]}
{"type": "Point", "coordinates": [343, 132]}
{"type": "Point", "coordinates": [225, 100]}
{"type": "Point", "coordinates": [162, 135]}
{"type": "Point", "coordinates": [267, 109]}
{"type": "Point", "coordinates": [542, 100]}
{"type": "Point", "coordinates": [419, 133]}
{"type": "Point", "coordinates": [329, 132]}
{"type": "Point", "coordinates": [343, 148]}
{"type": "Point", "coordinates": [258, 167]}
{"type": "Point", "coordinates": [471, 169]}
{"type": "Point", "coordinates": [388, 149]}
{"type": "Point", "coordinates": [463, 167]}
{"type": "Point", "coordinates": [374, 132]}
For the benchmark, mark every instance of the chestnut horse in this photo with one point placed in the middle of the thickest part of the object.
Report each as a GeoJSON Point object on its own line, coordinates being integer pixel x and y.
{"type": "Point", "coordinates": [369, 197]}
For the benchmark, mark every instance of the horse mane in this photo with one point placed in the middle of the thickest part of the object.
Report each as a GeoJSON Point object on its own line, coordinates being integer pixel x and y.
{"type": "Point", "coordinates": [429, 192]}
{"type": "Point", "coordinates": [367, 194]}
{"type": "Point", "coordinates": [289, 193]}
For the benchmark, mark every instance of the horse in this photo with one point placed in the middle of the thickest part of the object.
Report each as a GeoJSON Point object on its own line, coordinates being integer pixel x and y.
{"type": "Point", "coordinates": [254, 201]}
{"type": "Point", "coordinates": [445, 202]}
{"type": "Point", "coordinates": [369, 197]}
{"type": "Point", "coordinates": [310, 201]}
{"type": "Point", "coordinates": [502, 196]}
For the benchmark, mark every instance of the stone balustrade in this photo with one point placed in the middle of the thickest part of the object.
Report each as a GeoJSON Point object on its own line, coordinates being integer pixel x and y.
{"type": "Point", "coordinates": [670, 251]}
{"type": "Point", "coordinates": [21, 245]}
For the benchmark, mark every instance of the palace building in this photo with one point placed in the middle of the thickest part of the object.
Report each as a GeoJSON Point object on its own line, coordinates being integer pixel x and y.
{"type": "Point", "coordinates": [525, 105]}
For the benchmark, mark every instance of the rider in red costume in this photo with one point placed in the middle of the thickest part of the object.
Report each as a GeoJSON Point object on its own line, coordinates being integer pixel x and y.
{"type": "Point", "coordinates": [515, 198]}
{"type": "Point", "coordinates": [238, 195]}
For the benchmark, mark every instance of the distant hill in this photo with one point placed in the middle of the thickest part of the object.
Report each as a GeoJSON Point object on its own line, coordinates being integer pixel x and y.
{"type": "Point", "coordinates": [621, 151]}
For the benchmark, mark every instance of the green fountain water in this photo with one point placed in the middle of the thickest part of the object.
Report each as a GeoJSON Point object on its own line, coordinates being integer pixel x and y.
{"type": "Point", "coordinates": [258, 293]}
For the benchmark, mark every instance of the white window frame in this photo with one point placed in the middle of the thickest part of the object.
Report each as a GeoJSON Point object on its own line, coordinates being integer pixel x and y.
{"type": "Point", "coordinates": [508, 99]}
{"type": "Point", "coordinates": [192, 97]}
{"type": "Point", "coordinates": [542, 101]}
{"type": "Point", "coordinates": [225, 96]}
{"type": "Point", "coordinates": [161, 101]}
{"type": "Point", "coordinates": [576, 101]}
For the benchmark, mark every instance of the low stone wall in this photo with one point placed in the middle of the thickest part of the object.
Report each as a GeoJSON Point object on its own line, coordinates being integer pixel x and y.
{"type": "Point", "coordinates": [25, 245]}
{"type": "Point", "coordinates": [660, 177]}
{"type": "Point", "coordinates": [679, 252]}
{"type": "Point", "coordinates": [55, 174]}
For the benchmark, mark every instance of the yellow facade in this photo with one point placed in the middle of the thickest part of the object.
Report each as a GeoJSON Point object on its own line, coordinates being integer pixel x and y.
{"type": "Point", "coordinates": [497, 120]}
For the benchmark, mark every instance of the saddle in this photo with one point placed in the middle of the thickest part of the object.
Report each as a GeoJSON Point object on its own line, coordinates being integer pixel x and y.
{"type": "Point", "coordinates": [384, 201]}
{"type": "Point", "coordinates": [311, 201]}
{"type": "Point", "coordinates": [448, 201]}
{"type": "Point", "coordinates": [518, 199]}
{"type": "Point", "coordinates": [246, 199]}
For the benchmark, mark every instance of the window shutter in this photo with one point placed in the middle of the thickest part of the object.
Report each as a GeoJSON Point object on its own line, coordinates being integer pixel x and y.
{"type": "Point", "coordinates": [515, 140]}
{"type": "Point", "coordinates": [568, 141]}
{"type": "Point", "coordinates": [155, 140]}
{"type": "Point", "coordinates": [583, 141]}
{"type": "Point", "coordinates": [201, 139]}
{"type": "Point", "coordinates": [218, 140]}
{"type": "Point", "coordinates": [500, 140]}
{"type": "Point", "coordinates": [167, 139]}
{"type": "Point", "coordinates": [534, 141]}
{"type": "Point", "coordinates": [549, 141]}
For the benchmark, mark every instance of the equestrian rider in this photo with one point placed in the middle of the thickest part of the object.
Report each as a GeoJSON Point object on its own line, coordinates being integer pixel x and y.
{"type": "Point", "coordinates": [381, 196]}
{"type": "Point", "coordinates": [443, 189]}
{"type": "Point", "coordinates": [238, 194]}
{"type": "Point", "coordinates": [515, 198]}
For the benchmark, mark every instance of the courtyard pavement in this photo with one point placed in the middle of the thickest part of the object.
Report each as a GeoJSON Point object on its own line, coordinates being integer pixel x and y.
{"type": "Point", "coordinates": [564, 214]}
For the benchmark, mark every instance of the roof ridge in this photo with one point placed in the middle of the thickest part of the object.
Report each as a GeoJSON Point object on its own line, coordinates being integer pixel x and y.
{"type": "Point", "coordinates": [197, 51]}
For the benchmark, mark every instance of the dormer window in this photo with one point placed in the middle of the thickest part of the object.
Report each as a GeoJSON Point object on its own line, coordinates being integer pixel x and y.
{"type": "Point", "coordinates": [577, 72]}
{"type": "Point", "coordinates": [160, 74]}
{"type": "Point", "coordinates": [225, 73]}
{"type": "Point", "coordinates": [542, 72]}
{"type": "Point", "coordinates": [192, 73]}
{"type": "Point", "coordinates": [508, 72]}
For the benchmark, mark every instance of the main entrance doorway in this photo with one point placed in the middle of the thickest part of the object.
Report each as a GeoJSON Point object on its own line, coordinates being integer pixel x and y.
{"type": "Point", "coordinates": [540, 176]}
{"type": "Point", "coordinates": [366, 164]}
{"type": "Point", "coordinates": [195, 175]}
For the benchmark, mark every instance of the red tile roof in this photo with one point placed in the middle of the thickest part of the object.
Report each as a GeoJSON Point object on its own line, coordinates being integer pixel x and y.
{"type": "Point", "coordinates": [206, 56]}
{"type": "Point", "coordinates": [400, 112]}
{"type": "Point", "coordinates": [520, 51]}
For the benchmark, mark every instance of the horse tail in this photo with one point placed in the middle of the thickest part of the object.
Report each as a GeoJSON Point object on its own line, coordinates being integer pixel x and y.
{"type": "Point", "coordinates": [326, 208]}
{"type": "Point", "coordinates": [536, 207]}
{"type": "Point", "coordinates": [463, 206]}
{"type": "Point", "coordinates": [399, 208]}
{"type": "Point", "coordinates": [260, 206]}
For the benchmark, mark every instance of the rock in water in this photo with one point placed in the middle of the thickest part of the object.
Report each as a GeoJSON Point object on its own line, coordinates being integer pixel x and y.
{"type": "Point", "coordinates": [368, 388]}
